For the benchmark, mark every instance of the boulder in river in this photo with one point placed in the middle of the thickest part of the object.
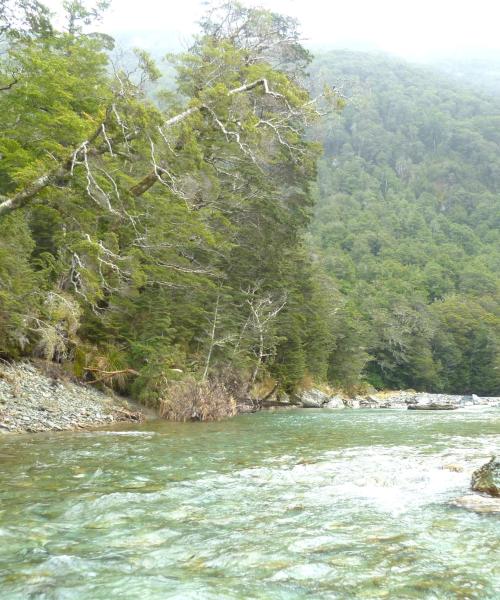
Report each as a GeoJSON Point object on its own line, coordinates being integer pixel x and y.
{"type": "Point", "coordinates": [474, 400]}
{"type": "Point", "coordinates": [395, 399]}
{"type": "Point", "coordinates": [487, 478]}
{"type": "Point", "coordinates": [313, 398]}
{"type": "Point", "coordinates": [335, 402]}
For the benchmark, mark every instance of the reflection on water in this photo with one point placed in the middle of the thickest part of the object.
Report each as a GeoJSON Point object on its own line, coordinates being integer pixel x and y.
{"type": "Point", "coordinates": [299, 504]}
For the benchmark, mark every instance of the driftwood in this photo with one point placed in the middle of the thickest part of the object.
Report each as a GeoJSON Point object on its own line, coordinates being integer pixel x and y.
{"type": "Point", "coordinates": [274, 404]}
{"type": "Point", "coordinates": [105, 375]}
{"type": "Point", "coordinates": [127, 415]}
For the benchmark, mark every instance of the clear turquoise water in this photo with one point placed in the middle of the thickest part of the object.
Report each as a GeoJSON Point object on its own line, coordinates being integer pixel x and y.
{"type": "Point", "coordinates": [290, 505]}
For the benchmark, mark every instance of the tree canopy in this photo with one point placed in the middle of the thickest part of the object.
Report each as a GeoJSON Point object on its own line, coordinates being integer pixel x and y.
{"type": "Point", "coordinates": [407, 226]}
{"type": "Point", "coordinates": [150, 231]}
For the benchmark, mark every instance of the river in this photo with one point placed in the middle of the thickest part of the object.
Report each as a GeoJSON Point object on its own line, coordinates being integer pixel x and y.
{"type": "Point", "coordinates": [287, 505]}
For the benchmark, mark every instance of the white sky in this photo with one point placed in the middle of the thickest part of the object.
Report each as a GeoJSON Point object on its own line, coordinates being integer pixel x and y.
{"type": "Point", "coordinates": [410, 28]}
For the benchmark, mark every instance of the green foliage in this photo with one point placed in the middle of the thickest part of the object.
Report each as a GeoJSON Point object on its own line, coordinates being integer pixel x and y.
{"type": "Point", "coordinates": [159, 245]}
{"type": "Point", "coordinates": [406, 226]}
{"type": "Point", "coordinates": [57, 329]}
{"type": "Point", "coordinates": [18, 286]}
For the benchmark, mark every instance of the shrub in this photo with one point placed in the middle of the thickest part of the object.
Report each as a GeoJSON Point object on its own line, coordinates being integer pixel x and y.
{"type": "Point", "coordinates": [18, 287]}
{"type": "Point", "coordinates": [57, 332]}
{"type": "Point", "coordinates": [192, 400]}
{"type": "Point", "coordinates": [106, 366]}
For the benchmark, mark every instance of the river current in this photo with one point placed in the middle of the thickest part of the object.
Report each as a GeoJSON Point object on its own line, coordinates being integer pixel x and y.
{"type": "Point", "coordinates": [300, 504]}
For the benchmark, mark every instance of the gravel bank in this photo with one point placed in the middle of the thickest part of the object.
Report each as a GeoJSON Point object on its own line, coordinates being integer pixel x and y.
{"type": "Point", "coordinates": [30, 401]}
{"type": "Point", "coordinates": [316, 398]}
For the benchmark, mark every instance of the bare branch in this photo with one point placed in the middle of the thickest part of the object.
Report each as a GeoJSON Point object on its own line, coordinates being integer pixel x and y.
{"type": "Point", "coordinates": [9, 86]}
{"type": "Point", "coordinates": [151, 178]}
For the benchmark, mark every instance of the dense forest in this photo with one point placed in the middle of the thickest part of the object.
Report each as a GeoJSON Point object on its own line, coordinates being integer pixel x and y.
{"type": "Point", "coordinates": [478, 70]}
{"type": "Point", "coordinates": [149, 234]}
{"type": "Point", "coordinates": [408, 226]}
{"type": "Point", "coordinates": [153, 232]}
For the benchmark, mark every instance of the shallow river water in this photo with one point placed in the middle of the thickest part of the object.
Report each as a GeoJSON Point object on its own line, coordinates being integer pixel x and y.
{"type": "Point", "coordinates": [287, 505]}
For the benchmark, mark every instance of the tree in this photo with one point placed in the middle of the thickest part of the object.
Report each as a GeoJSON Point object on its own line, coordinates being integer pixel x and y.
{"type": "Point", "coordinates": [158, 218]}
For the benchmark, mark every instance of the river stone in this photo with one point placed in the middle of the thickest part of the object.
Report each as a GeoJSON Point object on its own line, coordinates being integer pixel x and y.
{"type": "Point", "coordinates": [34, 401]}
{"type": "Point", "coordinates": [313, 398]}
{"type": "Point", "coordinates": [487, 478]}
{"type": "Point", "coordinates": [368, 402]}
{"type": "Point", "coordinates": [335, 402]}
{"type": "Point", "coordinates": [352, 402]}
{"type": "Point", "coordinates": [484, 401]}
{"type": "Point", "coordinates": [398, 400]}
{"type": "Point", "coordinates": [432, 406]}
{"type": "Point", "coordinates": [477, 503]}
{"type": "Point", "coordinates": [437, 401]}
{"type": "Point", "coordinates": [493, 401]}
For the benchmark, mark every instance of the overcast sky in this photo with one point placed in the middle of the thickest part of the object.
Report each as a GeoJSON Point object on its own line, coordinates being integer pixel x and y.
{"type": "Point", "coordinates": [409, 28]}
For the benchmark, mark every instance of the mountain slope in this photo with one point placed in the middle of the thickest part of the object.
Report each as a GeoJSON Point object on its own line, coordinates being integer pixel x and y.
{"type": "Point", "coordinates": [407, 226]}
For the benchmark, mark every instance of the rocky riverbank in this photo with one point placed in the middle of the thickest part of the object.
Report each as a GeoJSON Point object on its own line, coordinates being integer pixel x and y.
{"type": "Point", "coordinates": [31, 401]}
{"type": "Point", "coordinates": [34, 401]}
{"type": "Point", "coordinates": [411, 400]}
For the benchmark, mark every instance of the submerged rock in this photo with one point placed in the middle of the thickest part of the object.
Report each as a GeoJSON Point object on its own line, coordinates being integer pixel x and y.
{"type": "Point", "coordinates": [487, 478]}
{"type": "Point", "coordinates": [454, 468]}
{"type": "Point", "coordinates": [477, 503]}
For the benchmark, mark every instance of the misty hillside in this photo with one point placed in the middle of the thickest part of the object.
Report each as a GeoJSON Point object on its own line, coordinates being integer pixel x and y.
{"type": "Point", "coordinates": [408, 225]}
{"type": "Point", "coordinates": [479, 71]}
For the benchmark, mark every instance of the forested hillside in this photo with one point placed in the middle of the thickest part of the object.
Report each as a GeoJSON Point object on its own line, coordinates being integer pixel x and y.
{"type": "Point", "coordinates": [480, 71]}
{"type": "Point", "coordinates": [407, 226]}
